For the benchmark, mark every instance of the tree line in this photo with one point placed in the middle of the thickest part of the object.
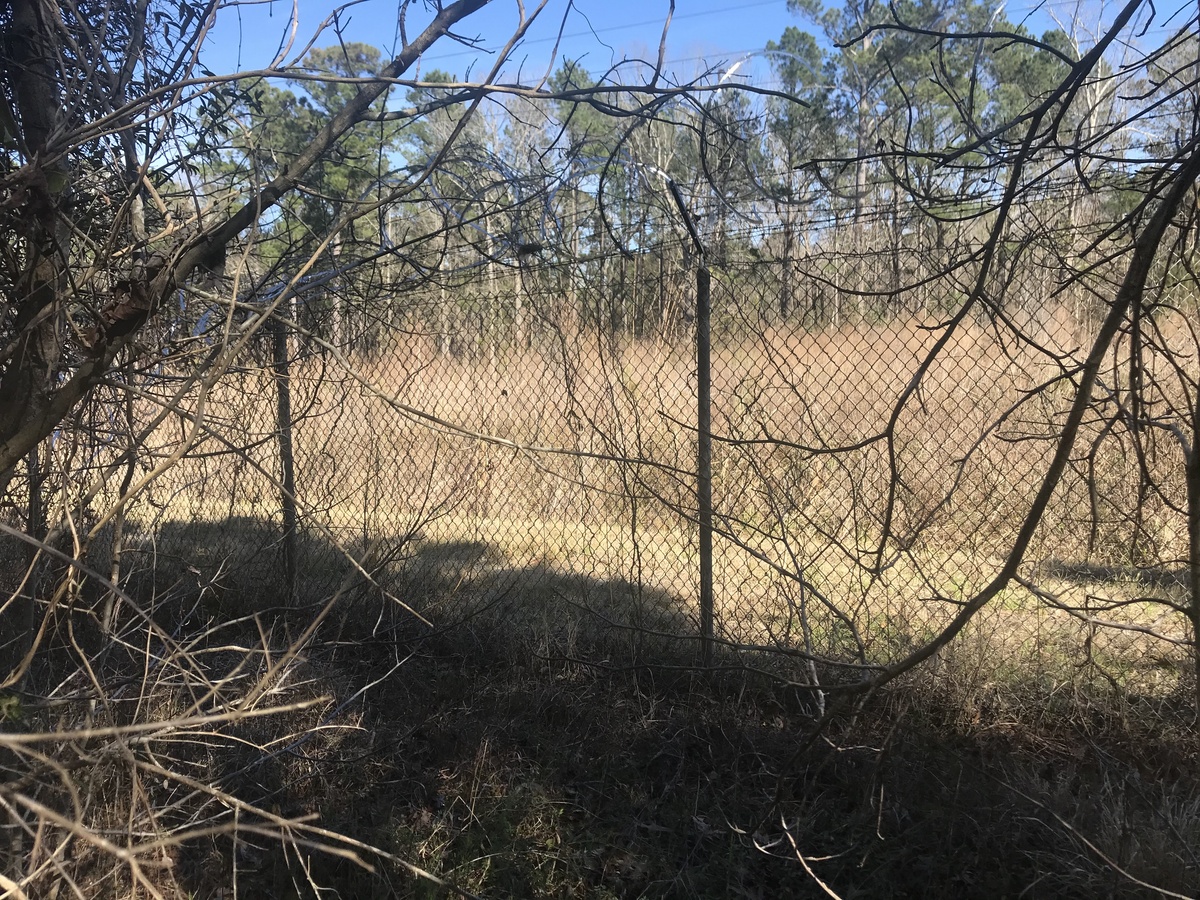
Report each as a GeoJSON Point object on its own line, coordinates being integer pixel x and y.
{"type": "Point", "coordinates": [854, 144]}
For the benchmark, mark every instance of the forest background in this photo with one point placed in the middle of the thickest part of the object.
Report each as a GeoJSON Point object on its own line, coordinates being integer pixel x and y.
{"type": "Point", "coordinates": [503, 466]}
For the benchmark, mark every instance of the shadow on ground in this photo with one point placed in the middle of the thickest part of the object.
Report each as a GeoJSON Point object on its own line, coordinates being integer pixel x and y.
{"type": "Point", "coordinates": [523, 742]}
{"type": "Point", "coordinates": [236, 567]}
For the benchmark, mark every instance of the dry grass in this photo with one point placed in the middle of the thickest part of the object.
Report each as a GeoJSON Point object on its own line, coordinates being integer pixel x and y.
{"type": "Point", "coordinates": [544, 735]}
{"type": "Point", "coordinates": [368, 472]}
{"type": "Point", "coordinates": [511, 773]}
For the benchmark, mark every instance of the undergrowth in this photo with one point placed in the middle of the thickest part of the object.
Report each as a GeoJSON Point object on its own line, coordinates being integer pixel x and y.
{"type": "Point", "coordinates": [389, 758]}
{"type": "Point", "coordinates": [511, 775]}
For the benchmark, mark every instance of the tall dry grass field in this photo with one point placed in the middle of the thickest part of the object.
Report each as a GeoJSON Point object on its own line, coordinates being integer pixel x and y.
{"type": "Point", "coordinates": [849, 523]}
{"type": "Point", "coordinates": [543, 499]}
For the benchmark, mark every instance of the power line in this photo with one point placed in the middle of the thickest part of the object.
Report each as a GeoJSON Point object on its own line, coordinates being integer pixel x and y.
{"type": "Point", "coordinates": [593, 32]}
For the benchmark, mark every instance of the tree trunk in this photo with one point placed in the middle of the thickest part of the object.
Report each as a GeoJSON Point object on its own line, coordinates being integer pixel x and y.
{"type": "Point", "coordinates": [29, 376]}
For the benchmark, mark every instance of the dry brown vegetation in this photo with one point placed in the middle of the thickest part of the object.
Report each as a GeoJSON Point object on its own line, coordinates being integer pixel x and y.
{"type": "Point", "coordinates": [1041, 754]}
{"type": "Point", "coordinates": [542, 732]}
{"type": "Point", "coordinates": [576, 459]}
{"type": "Point", "coordinates": [356, 525]}
{"type": "Point", "coordinates": [494, 761]}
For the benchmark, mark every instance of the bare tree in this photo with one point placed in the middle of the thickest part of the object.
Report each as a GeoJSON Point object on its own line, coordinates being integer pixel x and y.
{"type": "Point", "coordinates": [143, 254]}
{"type": "Point", "coordinates": [480, 298]}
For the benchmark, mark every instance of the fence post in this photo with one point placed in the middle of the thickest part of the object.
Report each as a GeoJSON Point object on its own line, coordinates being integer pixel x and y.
{"type": "Point", "coordinates": [283, 427]}
{"type": "Point", "coordinates": [704, 460]}
{"type": "Point", "coordinates": [25, 610]}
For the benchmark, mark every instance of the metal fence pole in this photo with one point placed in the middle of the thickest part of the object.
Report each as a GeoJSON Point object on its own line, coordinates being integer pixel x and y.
{"type": "Point", "coordinates": [704, 460]}
{"type": "Point", "coordinates": [279, 346]}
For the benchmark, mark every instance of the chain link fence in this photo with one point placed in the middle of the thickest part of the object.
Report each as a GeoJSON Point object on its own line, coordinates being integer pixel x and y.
{"type": "Point", "coordinates": [517, 451]}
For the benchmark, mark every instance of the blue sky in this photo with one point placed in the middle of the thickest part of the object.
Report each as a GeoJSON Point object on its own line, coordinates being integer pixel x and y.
{"type": "Point", "coordinates": [601, 31]}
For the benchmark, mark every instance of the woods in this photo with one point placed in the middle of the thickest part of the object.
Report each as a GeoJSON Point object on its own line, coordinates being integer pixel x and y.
{"type": "Point", "coordinates": [592, 480]}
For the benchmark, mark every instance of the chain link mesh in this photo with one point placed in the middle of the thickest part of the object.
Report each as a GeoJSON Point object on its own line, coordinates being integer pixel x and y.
{"type": "Point", "coordinates": [519, 450]}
